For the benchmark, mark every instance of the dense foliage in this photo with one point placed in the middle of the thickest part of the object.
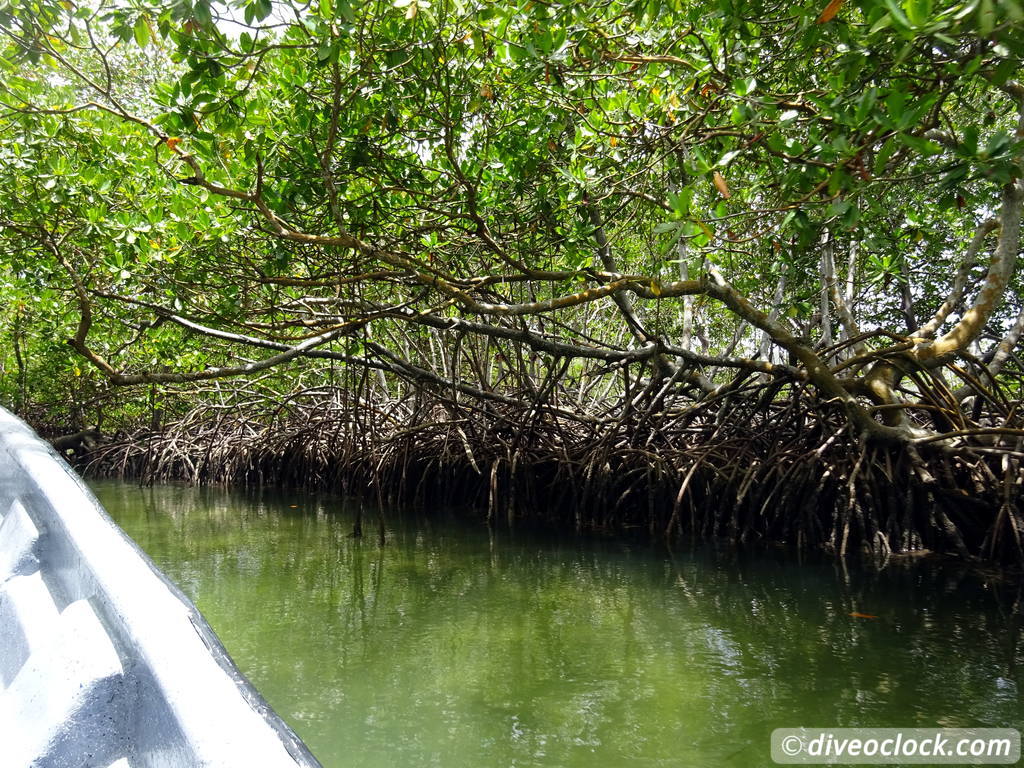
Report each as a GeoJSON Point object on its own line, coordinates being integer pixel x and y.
{"type": "Point", "coordinates": [582, 209]}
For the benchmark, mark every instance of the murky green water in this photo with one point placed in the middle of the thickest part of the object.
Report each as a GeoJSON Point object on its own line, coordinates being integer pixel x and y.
{"type": "Point", "coordinates": [453, 647]}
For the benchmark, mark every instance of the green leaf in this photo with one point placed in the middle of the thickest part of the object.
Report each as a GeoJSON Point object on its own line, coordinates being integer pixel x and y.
{"type": "Point", "coordinates": [851, 217]}
{"type": "Point", "coordinates": [1014, 9]}
{"type": "Point", "coordinates": [1005, 70]}
{"type": "Point", "coordinates": [884, 155]}
{"type": "Point", "coordinates": [839, 180]}
{"type": "Point", "coordinates": [744, 86]}
{"type": "Point", "coordinates": [970, 140]}
{"type": "Point", "coordinates": [263, 8]}
{"type": "Point", "coordinates": [897, 13]}
{"type": "Point", "coordinates": [986, 18]}
{"type": "Point", "coordinates": [895, 103]}
{"type": "Point", "coordinates": [918, 12]}
{"type": "Point", "coordinates": [728, 157]}
{"type": "Point", "coordinates": [141, 31]}
{"type": "Point", "coordinates": [201, 11]}
{"type": "Point", "coordinates": [681, 201]}
{"type": "Point", "coordinates": [708, 232]}
{"type": "Point", "coordinates": [955, 175]}
{"type": "Point", "coordinates": [883, 22]}
{"type": "Point", "coordinates": [925, 147]}
{"type": "Point", "coordinates": [865, 104]}
{"type": "Point", "coordinates": [838, 208]}
{"type": "Point", "coordinates": [328, 51]}
{"type": "Point", "coordinates": [999, 142]}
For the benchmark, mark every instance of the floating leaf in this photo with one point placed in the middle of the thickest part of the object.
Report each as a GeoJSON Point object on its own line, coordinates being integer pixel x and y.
{"type": "Point", "coordinates": [172, 142]}
{"type": "Point", "coordinates": [858, 615]}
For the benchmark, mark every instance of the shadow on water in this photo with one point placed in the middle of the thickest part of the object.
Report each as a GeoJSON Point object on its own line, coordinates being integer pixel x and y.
{"type": "Point", "coordinates": [456, 646]}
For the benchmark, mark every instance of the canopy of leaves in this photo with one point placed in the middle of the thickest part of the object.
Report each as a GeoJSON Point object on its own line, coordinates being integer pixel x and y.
{"type": "Point", "coordinates": [194, 191]}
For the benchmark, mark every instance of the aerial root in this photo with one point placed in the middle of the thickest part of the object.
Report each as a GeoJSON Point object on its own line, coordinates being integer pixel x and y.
{"type": "Point", "coordinates": [739, 468]}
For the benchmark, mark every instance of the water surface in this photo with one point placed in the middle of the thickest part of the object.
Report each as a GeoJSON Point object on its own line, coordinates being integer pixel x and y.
{"type": "Point", "coordinates": [455, 646]}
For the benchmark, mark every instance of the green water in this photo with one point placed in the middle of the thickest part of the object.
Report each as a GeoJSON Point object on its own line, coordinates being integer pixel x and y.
{"type": "Point", "coordinates": [451, 646]}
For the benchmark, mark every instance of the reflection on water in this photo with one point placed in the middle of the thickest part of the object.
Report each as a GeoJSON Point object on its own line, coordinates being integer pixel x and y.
{"type": "Point", "coordinates": [453, 647]}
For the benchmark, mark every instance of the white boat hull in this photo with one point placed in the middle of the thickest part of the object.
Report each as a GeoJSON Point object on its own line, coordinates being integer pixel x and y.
{"type": "Point", "coordinates": [104, 662]}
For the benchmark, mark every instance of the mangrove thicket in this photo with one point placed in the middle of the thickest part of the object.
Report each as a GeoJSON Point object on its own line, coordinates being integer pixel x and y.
{"type": "Point", "coordinates": [735, 269]}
